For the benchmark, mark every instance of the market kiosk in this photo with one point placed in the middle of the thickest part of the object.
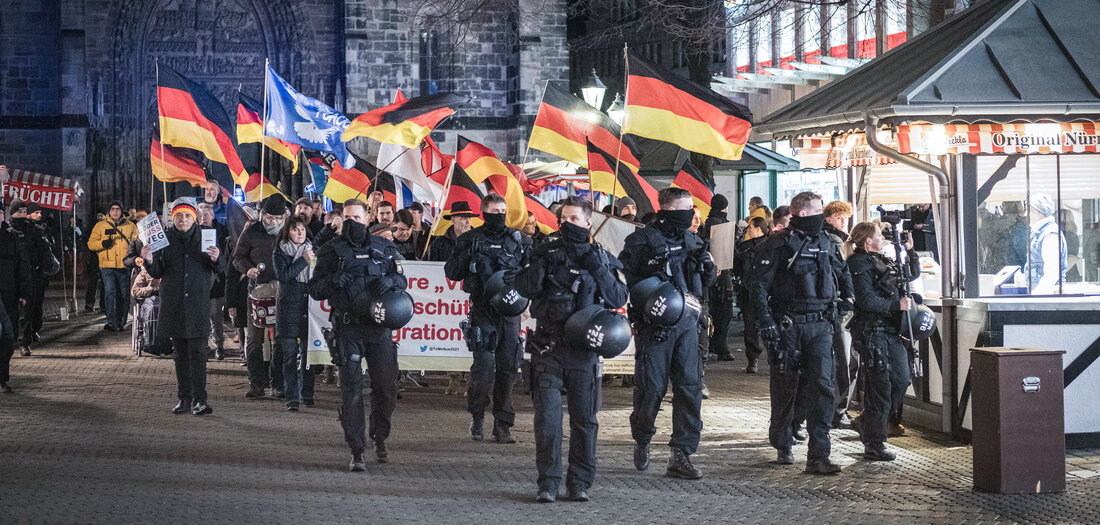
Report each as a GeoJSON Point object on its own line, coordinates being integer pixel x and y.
{"type": "Point", "coordinates": [991, 118]}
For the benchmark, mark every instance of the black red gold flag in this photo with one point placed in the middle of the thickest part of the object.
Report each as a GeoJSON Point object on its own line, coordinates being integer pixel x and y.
{"type": "Point", "coordinates": [564, 121]}
{"type": "Point", "coordinates": [602, 177]}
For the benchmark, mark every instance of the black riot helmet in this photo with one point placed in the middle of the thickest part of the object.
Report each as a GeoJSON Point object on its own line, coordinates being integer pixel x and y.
{"type": "Point", "coordinates": [923, 320]}
{"type": "Point", "coordinates": [661, 303]}
{"type": "Point", "coordinates": [598, 329]}
{"type": "Point", "coordinates": [503, 298]}
{"type": "Point", "coordinates": [392, 310]}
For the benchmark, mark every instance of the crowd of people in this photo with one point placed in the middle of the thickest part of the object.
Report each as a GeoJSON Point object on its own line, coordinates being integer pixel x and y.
{"type": "Point", "coordinates": [821, 304]}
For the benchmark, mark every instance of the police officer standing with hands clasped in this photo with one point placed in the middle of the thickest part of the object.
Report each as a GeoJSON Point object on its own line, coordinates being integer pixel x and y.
{"type": "Point", "coordinates": [572, 283]}
{"type": "Point", "coordinates": [486, 260]}
{"type": "Point", "coordinates": [356, 273]}
{"type": "Point", "coordinates": [794, 282]}
{"type": "Point", "coordinates": [667, 269]}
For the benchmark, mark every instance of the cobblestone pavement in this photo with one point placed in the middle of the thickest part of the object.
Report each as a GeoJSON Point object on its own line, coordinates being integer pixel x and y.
{"type": "Point", "coordinates": [87, 437]}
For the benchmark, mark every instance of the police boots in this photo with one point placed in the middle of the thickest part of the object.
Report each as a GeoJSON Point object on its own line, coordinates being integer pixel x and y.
{"type": "Point", "coordinates": [877, 452]}
{"type": "Point", "coordinates": [821, 466]}
{"type": "Point", "coordinates": [358, 464]}
{"type": "Point", "coordinates": [641, 456]}
{"type": "Point", "coordinates": [501, 434]}
{"type": "Point", "coordinates": [679, 466]}
{"type": "Point", "coordinates": [477, 431]}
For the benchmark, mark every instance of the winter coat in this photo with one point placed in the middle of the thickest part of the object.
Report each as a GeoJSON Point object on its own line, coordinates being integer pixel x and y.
{"type": "Point", "coordinates": [255, 247]}
{"type": "Point", "coordinates": [145, 286]}
{"type": "Point", "coordinates": [16, 271]}
{"type": "Point", "coordinates": [111, 240]}
{"type": "Point", "coordinates": [186, 275]}
{"type": "Point", "coordinates": [292, 308]}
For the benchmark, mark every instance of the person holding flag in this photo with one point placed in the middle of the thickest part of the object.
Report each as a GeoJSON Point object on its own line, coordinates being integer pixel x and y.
{"type": "Point", "coordinates": [488, 251]}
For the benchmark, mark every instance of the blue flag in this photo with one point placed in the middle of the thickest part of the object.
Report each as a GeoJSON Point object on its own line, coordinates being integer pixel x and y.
{"type": "Point", "coordinates": [294, 117]}
{"type": "Point", "coordinates": [317, 172]}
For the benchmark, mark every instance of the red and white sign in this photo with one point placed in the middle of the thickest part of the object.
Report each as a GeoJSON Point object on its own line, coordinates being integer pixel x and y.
{"type": "Point", "coordinates": [48, 191]}
{"type": "Point", "coordinates": [1025, 138]}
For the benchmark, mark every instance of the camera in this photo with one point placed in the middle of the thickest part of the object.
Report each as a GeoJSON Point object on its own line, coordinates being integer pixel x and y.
{"type": "Point", "coordinates": [894, 216]}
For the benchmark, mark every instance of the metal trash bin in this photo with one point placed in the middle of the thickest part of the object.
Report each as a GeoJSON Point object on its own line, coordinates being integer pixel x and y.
{"type": "Point", "coordinates": [1019, 424]}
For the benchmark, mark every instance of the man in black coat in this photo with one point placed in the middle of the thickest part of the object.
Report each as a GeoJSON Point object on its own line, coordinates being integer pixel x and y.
{"type": "Point", "coordinates": [720, 295]}
{"type": "Point", "coordinates": [39, 253]}
{"type": "Point", "coordinates": [253, 258]}
{"type": "Point", "coordinates": [186, 273]}
{"type": "Point", "coordinates": [440, 248]}
{"type": "Point", "coordinates": [217, 291]}
{"type": "Point", "coordinates": [15, 288]}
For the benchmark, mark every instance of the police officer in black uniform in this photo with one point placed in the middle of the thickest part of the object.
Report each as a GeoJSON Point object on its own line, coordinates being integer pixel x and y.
{"type": "Point", "coordinates": [794, 284]}
{"type": "Point", "coordinates": [350, 267]}
{"type": "Point", "coordinates": [564, 276]}
{"type": "Point", "coordinates": [876, 331]}
{"type": "Point", "coordinates": [492, 337]}
{"type": "Point", "coordinates": [15, 289]}
{"type": "Point", "coordinates": [40, 254]}
{"type": "Point", "coordinates": [668, 251]}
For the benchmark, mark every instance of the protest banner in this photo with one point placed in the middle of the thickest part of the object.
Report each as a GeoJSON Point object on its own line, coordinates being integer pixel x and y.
{"type": "Point", "coordinates": [432, 340]}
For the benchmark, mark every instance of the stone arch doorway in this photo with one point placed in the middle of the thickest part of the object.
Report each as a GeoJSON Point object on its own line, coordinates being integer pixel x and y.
{"type": "Point", "coordinates": [221, 44]}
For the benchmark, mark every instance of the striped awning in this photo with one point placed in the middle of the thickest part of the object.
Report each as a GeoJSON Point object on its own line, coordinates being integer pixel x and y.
{"type": "Point", "coordinates": [1024, 138]}
{"type": "Point", "coordinates": [41, 179]}
{"type": "Point", "coordinates": [839, 151]}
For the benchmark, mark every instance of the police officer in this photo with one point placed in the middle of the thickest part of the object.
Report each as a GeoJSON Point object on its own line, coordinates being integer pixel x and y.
{"type": "Point", "coordinates": [794, 284]}
{"type": "Point", "coordinates": [492, 337]}
{"type": "Point", "coordinates": [668, 251]}
{"type": "Point", "coordinates": [354, 265]}
{"type": "Point", "coordinates": [876, 330]}
{"type": "Point", "coordinates": [564, 276]}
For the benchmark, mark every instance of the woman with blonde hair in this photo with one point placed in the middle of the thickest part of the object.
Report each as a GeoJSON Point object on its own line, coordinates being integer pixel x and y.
{"type": "Point", "coordinates": [876, 334]}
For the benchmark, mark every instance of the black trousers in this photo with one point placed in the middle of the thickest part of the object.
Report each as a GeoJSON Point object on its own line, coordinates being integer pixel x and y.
{"type": "Point", "coordinates": [190, 369]}
{"type": "Point", "coordinates": [847, 366]}
{"type": "Point", "coordinates": [753, 346]}
{"type": "Point", "coordinates": [885, 379]}
{"type": "Point", "coordinates": [721, 314]}
{"type": "Point", "coordinates": [812, 343]}
{"type": "Point", "coordinates": [31, 320]}
{"type": "Point", "coordinates": [375, 344]}
{"type": "Point", "coordinates": [656, 363]}
{"type": "Point", "coordinates": [581, 386]}
{"type": "Point", "coordinates": [9, 323]}
{"type": "Point", "coordinates": [494, 369]}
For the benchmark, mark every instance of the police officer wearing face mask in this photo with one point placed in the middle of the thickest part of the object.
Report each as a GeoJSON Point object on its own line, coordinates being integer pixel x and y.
{"type": "Point", "coordinates": [794, 284]}
{"type": "Point", "coordinates": [492, 336]}
{"type": "Point", "coordinates": [564, 276]}
{"type": "Point", "coordinates": [876, 331]}
{"type": "Point", "coordinates": [667, 251]}
{"type": "Point", "coordinates": [351, 267]}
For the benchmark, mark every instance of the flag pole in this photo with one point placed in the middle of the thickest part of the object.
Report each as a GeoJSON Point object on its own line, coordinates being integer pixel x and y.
{"type": "Point", "coordinates": [160, 139]}
{"type": "Point", "coordinates": [527, 150]}
{"type": "Point", "coordinates": [626, 77]}
{"type": "Point", "coordinates": [442, 206]}
{"type": "Point", "coordinates": [263, 130]}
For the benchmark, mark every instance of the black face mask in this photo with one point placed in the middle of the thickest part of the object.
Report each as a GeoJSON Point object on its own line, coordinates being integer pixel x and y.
{"type": "Point", "coordinates": [494, 222]}
{"type": "Point", "coordinates": [355, 233]}
{"type": "Point", "coordinates": [573, 234]}
{"type": "Point", "coordinates": [630, 217]}
{"type": "Point", "coordinates": [678, 220]}
{"type": "Point", "coordinates": [810, 224]}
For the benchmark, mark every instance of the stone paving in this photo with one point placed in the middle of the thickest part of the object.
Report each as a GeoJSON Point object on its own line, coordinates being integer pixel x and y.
{"type": "Point", "coordinates": [87, 437]}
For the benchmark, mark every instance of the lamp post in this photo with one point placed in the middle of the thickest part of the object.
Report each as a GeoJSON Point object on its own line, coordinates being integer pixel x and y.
{"type": "Point", "coordinates": [593, 91]}
{"type": "Point", "coordinates": [616, 110]}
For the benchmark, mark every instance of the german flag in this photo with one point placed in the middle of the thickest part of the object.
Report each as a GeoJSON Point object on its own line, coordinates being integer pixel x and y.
{"type": "Point", "coordinates": [662, 106]}
{"type": "Point", "coordinates": [174, 165]}
{"type": "Point", "coordinates": [190, 117]}
{"type": "Point", "coordinates": [250, 130]}
{"type": "Point", "coordinates": [258, 188]}
{"type": "Point", "coordinates": [405, 122]}
{"type": "Point", "coordinates": [545, 218]}
{"type": "Point", "coordinates": [384, 183]}
{"type": "Point", "coordinates": [601, 176]}
{"type": "Point", "coordinates": [460, 188]}
{"type": "Point", "coordinates": [437, 165]}
{"type": "Point", "coordinates": [344, 184]}
{"type": "Point", "coordinates": [692, 180]}
{"type": "Point", "coordinates": [483, 166]}
{"type": "Point", "coordinates": [564, 121]}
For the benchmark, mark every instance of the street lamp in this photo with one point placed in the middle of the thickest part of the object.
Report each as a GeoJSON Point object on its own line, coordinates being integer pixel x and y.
{"type": "Point", "coordinates": [616, 111]}
{"type": "Point", "coordinates": [593, 91]}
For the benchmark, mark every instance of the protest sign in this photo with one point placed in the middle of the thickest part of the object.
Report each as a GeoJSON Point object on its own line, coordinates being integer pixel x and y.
{"type": "Point", "coordinates": [151, 232]}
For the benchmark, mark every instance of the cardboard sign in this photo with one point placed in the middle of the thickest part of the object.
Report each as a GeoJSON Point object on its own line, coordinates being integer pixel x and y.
{"type": "Point", "coordinates": [722, 242]}
{"type": "Point", "coordinates": [151, 232]}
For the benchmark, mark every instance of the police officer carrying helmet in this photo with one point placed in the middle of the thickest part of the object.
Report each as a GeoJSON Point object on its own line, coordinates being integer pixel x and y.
{"type": "Point", "coordinates": [668, 349]}
{"type": "Point", "coordinates": [354, 269]}
{"type": "Point", "coordinates": [876, 331]}
{"type": "Point", "coordinates": [797, 283]}
{"type": "Point", "coordinates": [565, 276]}
{"type": "Point", "coordinates": [492, 335]}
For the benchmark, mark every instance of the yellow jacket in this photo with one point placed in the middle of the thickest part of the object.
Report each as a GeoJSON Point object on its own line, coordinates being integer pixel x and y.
{"type": "Point", "coordinates": [111, 256]}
